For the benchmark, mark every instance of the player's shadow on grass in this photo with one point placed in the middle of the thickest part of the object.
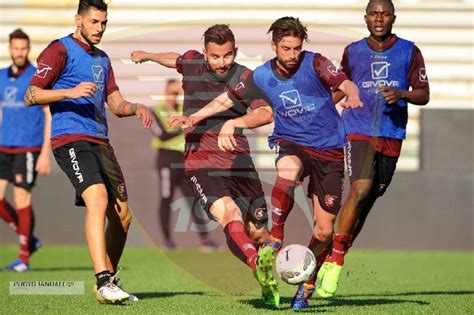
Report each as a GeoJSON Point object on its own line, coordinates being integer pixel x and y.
{"type": "Point", "coordinates": [459, 292]}
{"type": "Point", "coordinates": [158, 295]}
{"type": "Point", "coordinates": [320, 305]}
{"type": "Point", "coordinates": [78, 268]}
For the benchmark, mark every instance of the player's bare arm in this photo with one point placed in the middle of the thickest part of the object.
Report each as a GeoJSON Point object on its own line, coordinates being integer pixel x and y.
{"type": "Point", "coordinates": [43, 164]}
{"type": "Point", "coordinates": [219, 104]}
{"type": "Point", "coordinates": [165, 59]}
{"type": "Point", "coordinates": [37, 96]}
{"type": "Point", "coordinates": [352, 93]}
{"type": "Point", "coordinates": [256, 118]}
{"type": "Point", "coordinates": [416, 97]}
{"type": "Point", "coordinates": [124, 108]}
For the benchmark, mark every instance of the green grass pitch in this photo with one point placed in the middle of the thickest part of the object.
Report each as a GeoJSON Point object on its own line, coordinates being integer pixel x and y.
{"type": "Point", "coordinates": [190, 282]}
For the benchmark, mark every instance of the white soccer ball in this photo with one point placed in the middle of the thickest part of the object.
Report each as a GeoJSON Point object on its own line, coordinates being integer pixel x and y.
{"type": "Point", "coordinates": [295, 264]}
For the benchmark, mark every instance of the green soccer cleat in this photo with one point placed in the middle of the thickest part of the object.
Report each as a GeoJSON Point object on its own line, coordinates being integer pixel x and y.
{"type": "Point", "coordinates": [328, 277]}
{"type": "Point", "coordinates": [264, 276]}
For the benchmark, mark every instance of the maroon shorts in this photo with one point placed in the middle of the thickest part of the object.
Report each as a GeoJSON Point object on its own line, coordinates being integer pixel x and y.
{"type": "Point", "coordinates": [364, 162]}
{"type": "Point", "coordinates": [243, 186]}
{"type": "Point", "coordinates": [326, 177]}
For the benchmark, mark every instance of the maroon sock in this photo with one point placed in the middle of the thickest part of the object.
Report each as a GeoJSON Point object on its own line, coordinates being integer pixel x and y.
{"type": "Point", "coordinates": [340, 246]}
{"type": "Point", "coordinates": [320, 257]}
{"type": "Point", "coordinates": [25, 216]}
{"type": "Point", "coordinates": [240, 244]}
{"type": "Point", "coordinates": [282, 203]}
{"type": "Point", "coordinates": [8, 214]}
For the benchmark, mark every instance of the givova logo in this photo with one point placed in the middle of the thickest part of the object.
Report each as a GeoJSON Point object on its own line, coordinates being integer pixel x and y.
{"type": "Point", "coordinates": [99, 76]}
{"type": "Point", "coordinates": [9, 97]}
{"type": "Point", "coordinates": [292, 102]}
{"type": "Point", "coordinates": [380, 72]}
{"type": "Point", "coordinates": [290, 99]}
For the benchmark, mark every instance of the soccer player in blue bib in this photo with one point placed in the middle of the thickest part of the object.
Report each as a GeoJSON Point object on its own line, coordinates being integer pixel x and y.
{"type": "Point", "coordinates": [309, 135]}
{"type": "Point", "coordinates": [24, 147]}
{"type": "Point", "coordinates": [384, 67]}
{"type": "Point", "coordinates": [76, 79]}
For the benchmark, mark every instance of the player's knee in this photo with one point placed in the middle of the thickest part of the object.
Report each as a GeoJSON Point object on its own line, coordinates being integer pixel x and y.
{"type": "Point", "coordinates": [22, 197]}
{"type": "Point", "coordinates": [323, 232]}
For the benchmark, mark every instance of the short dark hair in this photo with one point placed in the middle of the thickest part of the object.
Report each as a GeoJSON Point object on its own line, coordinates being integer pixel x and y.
{"type": "Point", "coordinates": [19, 34]}
{"type": "Point", "coordinates": [389, 2]}
{"type": "Point", "coordinates": [288, 26]}
{"type": "Point", "coordinates": [219, 34]}
{"type": "Point", "coordinates": [85, 5]}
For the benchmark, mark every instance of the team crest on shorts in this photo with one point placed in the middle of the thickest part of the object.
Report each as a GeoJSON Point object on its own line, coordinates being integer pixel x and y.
{"type": "Point", "coordinates": [122, 190]}
{"type": "Point", "coordinates": [18, 178]}
{"type": "Point", "coordinates": [259, 213]}
{"type": "Point", "coordinates": [330, 200]}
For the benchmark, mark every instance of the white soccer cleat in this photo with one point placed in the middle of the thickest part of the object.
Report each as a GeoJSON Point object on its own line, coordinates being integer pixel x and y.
{"type": "Point", "coordinates": [111, 293]}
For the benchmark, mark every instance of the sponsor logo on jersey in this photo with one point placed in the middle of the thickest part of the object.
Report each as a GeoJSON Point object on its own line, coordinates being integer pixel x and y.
{"type": "Point", "coordinates": [380, 72]}
{"type": "Point", "coordinates": [423, 76]}
{"type": "Point", "coordinates": [9, 97]}
{"type": "Point", "coordinates": [42, 70]}
{"type": "Point", "coordinates": [99, 76]}
{"type": "Point", "coordinates": [293, 105]}
{"type": "Point", "coordinates": [334, 70]}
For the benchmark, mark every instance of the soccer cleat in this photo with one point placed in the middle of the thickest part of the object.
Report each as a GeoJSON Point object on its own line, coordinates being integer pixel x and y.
{"type": "Point", "coordinates": [116, 281]}
{"type": "Point", "coordinates": [264, 276]}
{"type": "Point", "coordinates": [302, 297]}
{"type": "Point", "coordinates": [18, 265]}
{"type": "Point", "coordinates": [110, 293]}
{"type": "Point", "coordinates": [328, 277]}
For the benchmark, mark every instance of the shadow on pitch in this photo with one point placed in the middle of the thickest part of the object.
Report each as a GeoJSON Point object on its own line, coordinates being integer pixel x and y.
{"type": "Point", "coordinates": [414, 293]}
{"type": "Point", "coordinates": [158, 295]}
{"type": "Point", "coordinates": [78, 268]}
{"type": "Point", "coordinates": [319, 305]}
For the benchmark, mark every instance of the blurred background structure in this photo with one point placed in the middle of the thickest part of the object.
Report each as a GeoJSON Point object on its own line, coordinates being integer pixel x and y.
{"type": "Point", "coordinates": [430, 202]}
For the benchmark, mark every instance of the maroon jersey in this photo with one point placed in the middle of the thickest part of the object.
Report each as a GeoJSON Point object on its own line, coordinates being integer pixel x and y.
{"type": "Point", "coordinates": [390, 146]}
{"type": "Point", "coordinates": [201, 86]}
{"type": "Point", "coordinates": [325, 70]}
{"type": "Point", "coordinates": [51, 63]}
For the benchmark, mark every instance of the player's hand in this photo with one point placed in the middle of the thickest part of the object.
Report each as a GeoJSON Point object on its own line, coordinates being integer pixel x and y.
{"type": "Point", "coordinates": [184, 122]}
{"type": "Point", "coordinates": [351, 103]}
{"type": "Point", "coordinates": [84, 89]}
{"type": "Point", "coordinates": [43, 164]}
{"type": "Point", "coordinates": [138, 56]}
{"type": "Point", "coordinates": [145, 115]}
{"type": "Point", "coordinates": [226, 140]}
{"type": "Point", "coordinates": [390, 94]}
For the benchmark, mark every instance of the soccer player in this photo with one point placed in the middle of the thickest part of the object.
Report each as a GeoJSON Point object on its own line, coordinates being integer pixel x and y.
{"type": "Point", "coordinates": [226, 183]}
{"type": "Point", "coordinates": [76, 79]}
{"type": "Point", "coordinates": [309, 134]}
{"type": "Point", "coordinates": [170, 163]}
{"type": "Point", "coordinates": [384, 67]}
{"type": "Point", "coordinates": [24, 148]}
